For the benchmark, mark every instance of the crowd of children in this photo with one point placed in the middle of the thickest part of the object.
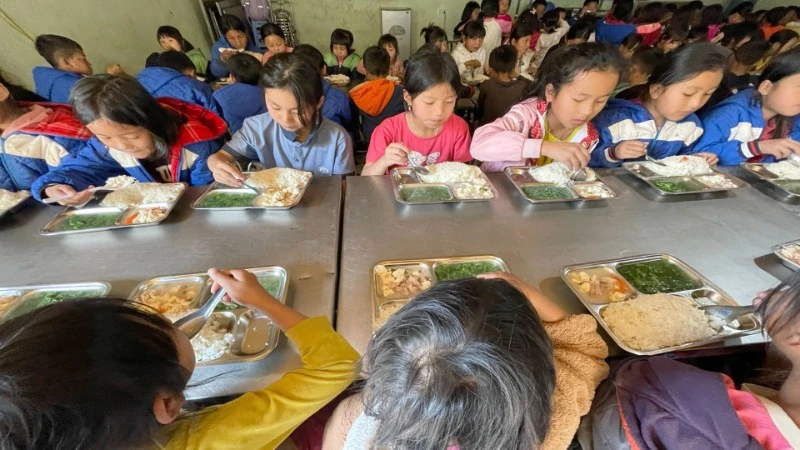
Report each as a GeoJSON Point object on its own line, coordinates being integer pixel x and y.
{"type": "Point", "coordinates": [552, 85]}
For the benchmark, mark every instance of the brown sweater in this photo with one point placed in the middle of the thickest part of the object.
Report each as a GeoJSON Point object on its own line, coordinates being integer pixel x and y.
{"type": "Point", "coordinates": [497, 97]}
{"type": "Point", "coordinates": [580, 367]}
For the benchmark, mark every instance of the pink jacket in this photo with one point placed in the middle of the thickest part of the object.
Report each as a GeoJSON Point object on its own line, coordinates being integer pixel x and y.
{"type": "Point", "coordinates": [516, 138]}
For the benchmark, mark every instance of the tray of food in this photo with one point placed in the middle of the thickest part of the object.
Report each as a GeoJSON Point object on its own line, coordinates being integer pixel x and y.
{"type": "Point", "coordinates": [554, 183]}
{"type": "Point", "coordinates": [448, 182]}
{"type": "Point", "coordinates": [134, 206]}
{"type": "Point", "coordinates": [395, 283]}
{"type": "Point", "coordinates": [649, 304]}
{"type": "Point", "coordinates": [683, 175]}
{"type": "Point", "coordinates": [338, 80]}
{"type": "Point", "coordinates": [784, 175]}
{"type": "Point", "coordinates": [12, 201]}
{"type": "Point", "coordinates": [789, 254]}
{"type": "Point", "coordinates": [18, 300]}
{"type": "Point", "coordinates": [233, 333]}
{"type": "Point", "coordinates": [276, 189]}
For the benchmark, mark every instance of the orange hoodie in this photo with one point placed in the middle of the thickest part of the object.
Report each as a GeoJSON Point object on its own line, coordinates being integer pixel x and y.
{"type": "Point", "coordinates": [373, 96]}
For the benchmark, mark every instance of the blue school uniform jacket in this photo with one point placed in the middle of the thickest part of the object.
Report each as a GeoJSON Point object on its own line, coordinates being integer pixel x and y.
{"type": "Point", "coordinates": [238, 101]}
{"type": "Point", "coordinates": [54, 84]}
{"type": "Point", "coordinates": [218, 68]}
{"type": "Point", "coordinates": [165, 82]}
{"type": "Point", "coordinates": [732, 129]}
{"type": "Point", "coordinates": [613, 33]}
{"type": "Point", "coordinates": [336, 106]}
{"type": "Point", "coordinates": [30, 152]}
{"type": "Point", "coordinates": [625, 120]}
{"type": "Point", "coordinates": [198, 138]}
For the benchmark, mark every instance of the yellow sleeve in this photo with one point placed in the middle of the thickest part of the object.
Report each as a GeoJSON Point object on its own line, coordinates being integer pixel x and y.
{"type": "Point", "coordinates": [580, 355]}
{"type": "Point", "coordinates": [265, 418]}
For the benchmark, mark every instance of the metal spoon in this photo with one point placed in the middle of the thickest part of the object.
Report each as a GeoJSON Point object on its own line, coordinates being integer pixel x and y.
{"type": "Point", "coordinates": [417, 168]}
{"type": "Point", "coordinates": [93, 190]}
{"type": "Point", "coordinates": [194, 322]}
{"type": "Point", "coordinates": [578, 175]}
{"type": "Point", "coordinates": [727, 313]}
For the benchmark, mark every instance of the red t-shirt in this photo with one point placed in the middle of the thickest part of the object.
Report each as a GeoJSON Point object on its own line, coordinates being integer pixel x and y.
{"type": "Point", "coordinates": [451, 144]}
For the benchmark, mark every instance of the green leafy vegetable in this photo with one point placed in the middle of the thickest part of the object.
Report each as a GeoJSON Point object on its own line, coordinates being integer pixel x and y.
{"type": "Point", "coordinates": [655, 277]}
{"type": "Point", "coordinates": [791, 186]}
{"type": "Point", "coordinates": [425, 194]}
{"type": "Point", "coordinates": [48, 298]}
{"type": "Point", "coordinates": [271, 284]}
{"type": "Point", "coordinates": [545, 192]}
{"type": "Point", "coordinates": [677, 186]}
{"type": "Point", "coordinates": [228, 200]}
{"type": "Point", "coordinates": [87, 221]}
{"type": "Point", "coordinates": [455, 271]}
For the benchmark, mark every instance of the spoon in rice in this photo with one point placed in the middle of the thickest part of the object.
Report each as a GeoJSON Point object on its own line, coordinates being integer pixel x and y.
{"type": "Point", "coordinates": [111, 185]}
{"type": "Point", "coordinates": [727, 314]}
{"type": "Point", "coordinates": [192, 324]}
{"type": "Point", "coordinates": [417, 168]}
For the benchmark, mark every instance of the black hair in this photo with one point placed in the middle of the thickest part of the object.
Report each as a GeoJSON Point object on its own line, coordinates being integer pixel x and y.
{"type": "Point", "coordinates": [550, 21]}
{"type": "Point", "coordinates": [782, 37]}
{"type": "Point", "coordinates": [376, 61]}
{"type": "Point", "coordinates": [490, 8]}
{"type": "Point", "coordinates": [687, 62]}
{"type": "Point", "coordinates": [539, 3]}
{"type": "Point", "coordinates": [388, 39]}
{"type": "Point", "coordinates": [434, 34]}
{"type": "Point", "coordinates": [781, 307]}
{"type": "Point", "coordinates": [123, 100]}
{"type": "Point", "coordinates": [697, 34]}
{"type": "Point", "coordinates": [54, 48]}
{"type": "Point", "coordinates": [582, 29]}
{"type": "Point", "coordinates": [344, 37]}
{"type": "Point", "coordinates": [758, 16]}
{"type": "Point", "coordinates": [651, 13]}
{"type": "Point", "coordinates": [734, 34]}
{"type": "Point", "coordinates": [647, 58]}
{"type": "Point", "coordinates": [229, 22]}
{"type": "Point", "coordinates": [671, 7]}
{"type": "Point", "coordinates": [245, 68]}
{"type": "Point", "coordinates": [299, 76]}
{"type": "Point", "coordinates": [529, 19]}
{"type": "Point", "coordinates": [426, 70]}
{"type": "Point", "coordinates": [774, 15]}
{"type": "Point", "coordinates": [271, 29]}
{"type": "Point", "coordinates": [503, 59]}
{"type": "Point", "coordinates": [632, 42]}
{"type": "Point", "coordinates": [174, 33]}
{"type": "Point", "coordinates": [473, 30]}
{"type": "Point", "coordinates": [622, 10]}
{"type": "Point", "coordinates": [468, 8]}
{"type": "Point", "coordinates": [88, 383]}
{"type": "Point", "coordinates": [171, 59]}
{"type": "Point", "coordinates": [783, 66]}
{"type": "Point", "coordinates": [19, 93]}
{"type": "Point", "coordinates": [749, 53]}
{"type": "Point", "coordinates": [586, 2]}
{"type": "Point", "coordinates": [673, 33]}
{"type": "Point", "coordinates": [712, 15]}
{"type": "Point", "coordinates": [465, 363]}
{"type": "Point", "coordinates": [520, 31]}
{"type": "Point", "coordinates": [312, 54]}
{"type": "Point", "coordinates": [743, 9]}
{"type": "Point", "coordinates": [562, 65]}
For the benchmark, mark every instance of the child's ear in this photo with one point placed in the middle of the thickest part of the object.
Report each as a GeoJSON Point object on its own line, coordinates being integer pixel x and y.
{"type": "Point", "coordinates": [765, 87]}
{"type": "Point", "coordinates": [5, 94]}
{"type": "Point", "coordinates": [549, 93]}
{"type": "Point", "coordinates": [167, 407]}
{"type": "Point", "coordinates": [233, 78]}
{"type": "Point", "coordinates": [656, 90]}
{"type": "Point", "coordinates": [407, 97]}
{"type": "Point", "coordinates": [192, 73]}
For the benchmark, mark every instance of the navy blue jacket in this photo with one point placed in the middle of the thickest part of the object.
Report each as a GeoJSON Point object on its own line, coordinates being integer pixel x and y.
{"type": "Point", "coordinates": [165, 82]}
{"type": "Point", "coordinates": [238, 101]}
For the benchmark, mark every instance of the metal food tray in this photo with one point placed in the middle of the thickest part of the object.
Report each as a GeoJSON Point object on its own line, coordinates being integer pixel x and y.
{"type": "Point", "coordinates": [760, 170]}
{"type": "Point", "coordinates": [217, 186]}
{"type": "Point", "coordinates": [13, 208]}
{"type": "Point", "coordinates": [25, 292]}
{"type": "Point", "coordinates": [521, 177]}
{"type": "Point", "coordinates": [428, 265]}
{"type": "Point", "coordinates": [706, 293]}
{"type": "Point", "coordinates": [406, 177]}
{"type": "Point", "coordinates": [641, 172]}
{"type": "Point", "coordinates": [97, 209]}
{"type": "Point", "coordinates": [246, 325]}
{"type": "Point", "coordinates": [786, 261]}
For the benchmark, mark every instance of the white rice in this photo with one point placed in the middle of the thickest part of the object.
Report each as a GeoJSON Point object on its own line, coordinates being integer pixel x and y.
{"type": "Point", "coordinates": [212, 342]}
{"type": "Point", "coordinates": [387, 310]}
{"type": "Point", "coordinates": [143, 193]}
{"type": "Point", "coordinates": [558, 173]}
{"type": "Point", "coordinates": [453, 172]}
{"type": "Point", "coordinates": [120, 182]}
{"type": "Point", "coordinates": [788, 170]}
{"type": "Point", "coordinates": [679, 166]}
{"type": "Point", "coordinates": [279, 186]}
{"type": "Point", "coordinates": [10, 199]}
{"type": "Point", "coordinates": [652, 322]}
{"type": "Point", "coordinates": [791, 252]}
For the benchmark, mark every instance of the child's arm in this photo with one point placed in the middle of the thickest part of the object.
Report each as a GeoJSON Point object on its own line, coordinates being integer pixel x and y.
{"type": "Point", "coordinates": [89, 167]}
{"type": "Point", "coordinates": [344, 163]}
{"type": "Point", "coordinates": [265, 418]}
{"type": "Point", "coordinates": [461, 58]}
{"type": "Point", "coordinates": [383, 152]}
{"type": "Point", "coordinates": [199, 172]}
{"type": "Point", "coordinates": [579, 355]}
{"type": "Point", "coordinates": [717, 126]}
{"type": "Point", "coordinates": [223, 169]}
{"type": "Point", "coordinates": [506, 139]}
{"type": "Point", "coordinates": [245, 146]}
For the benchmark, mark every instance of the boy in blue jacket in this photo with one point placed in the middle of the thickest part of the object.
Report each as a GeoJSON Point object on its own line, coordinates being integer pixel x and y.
{"type": "Point", "coordinates": [336, 106]}
{"type": "Point", "coordinates": [69, 65]}
{"type": "Point", "coordinates": [172, 74]}
{"type": "Point", "coordinates": [164, 141]}
{"type": "Point", "coordinates": [243, 98]}
{"type": "Point", "coordinates": [34, 137]}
